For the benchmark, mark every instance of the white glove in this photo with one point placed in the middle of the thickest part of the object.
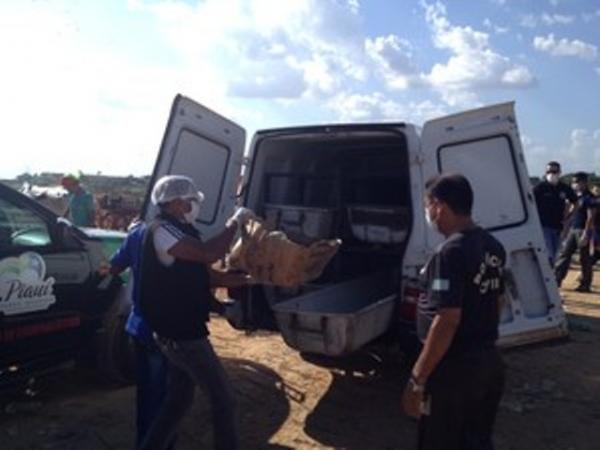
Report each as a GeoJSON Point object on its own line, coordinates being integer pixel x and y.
{"type": "Point", "coordinates": [241, 216]}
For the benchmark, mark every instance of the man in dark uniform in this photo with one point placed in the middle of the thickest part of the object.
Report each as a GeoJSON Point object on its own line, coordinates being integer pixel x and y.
{"type": "Point", "coordinates": [579, 235]}
{"type": "Point", "coordinates": [456, 384]}
{"type": "Point", "coordinates": [552, 198]}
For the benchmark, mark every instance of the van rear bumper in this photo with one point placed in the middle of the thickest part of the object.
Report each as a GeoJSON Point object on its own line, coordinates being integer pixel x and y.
{"type": "Point", "coordinates": [533, 337]}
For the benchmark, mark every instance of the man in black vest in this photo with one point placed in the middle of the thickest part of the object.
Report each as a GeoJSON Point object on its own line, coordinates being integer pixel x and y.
{"type": "Point", "coordinates": [457, 381]}
{"type": "Point", "coordinates": [176, 299]}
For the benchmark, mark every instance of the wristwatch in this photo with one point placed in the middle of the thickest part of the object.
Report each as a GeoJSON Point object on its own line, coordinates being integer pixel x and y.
{"type": "Point", "coordinates": [415, 385]}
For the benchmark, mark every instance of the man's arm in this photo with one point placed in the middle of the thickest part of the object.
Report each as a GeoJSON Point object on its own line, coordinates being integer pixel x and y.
{"type": "Point", "coordinates": [228, 279]}
{"type": "Point", "coordinates": [437, 342]}
{"type": "Point", "coordinates": [589, 225]}
{"type": "Point", "coordinates": [190, 249]}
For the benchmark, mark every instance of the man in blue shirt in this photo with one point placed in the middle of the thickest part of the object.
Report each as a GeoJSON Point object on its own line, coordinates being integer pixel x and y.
{"type": "Point", "coordinates": [151, 365]}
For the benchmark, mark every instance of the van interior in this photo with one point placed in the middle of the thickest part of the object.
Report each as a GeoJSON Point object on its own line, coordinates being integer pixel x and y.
{"type": "Point", "coordinates": [351, 184]}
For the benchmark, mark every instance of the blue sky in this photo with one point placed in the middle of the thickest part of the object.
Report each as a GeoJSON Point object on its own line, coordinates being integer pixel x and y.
{"type": "Point", "coordinates": [88, 85]}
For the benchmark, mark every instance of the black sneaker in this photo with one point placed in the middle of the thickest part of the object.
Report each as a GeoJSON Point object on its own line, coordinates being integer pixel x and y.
{"type": "Point", "coordinates": [583, 289]}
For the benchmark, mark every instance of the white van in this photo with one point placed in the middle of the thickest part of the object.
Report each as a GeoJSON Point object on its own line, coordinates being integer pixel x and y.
{"type": "Point", "coordinates": [363, 183]}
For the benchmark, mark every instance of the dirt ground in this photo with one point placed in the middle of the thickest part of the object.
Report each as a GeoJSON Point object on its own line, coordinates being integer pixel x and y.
{"type": "Point", "coordinates": [552, 398]}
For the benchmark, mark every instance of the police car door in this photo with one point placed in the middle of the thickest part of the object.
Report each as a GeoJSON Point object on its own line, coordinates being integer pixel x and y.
{"type": "Point", "coordinates": [484, 145]}
{"type": "Point", "coordinates": [208, 148]}
{"type": "Point", "coordinates": [45, 284]}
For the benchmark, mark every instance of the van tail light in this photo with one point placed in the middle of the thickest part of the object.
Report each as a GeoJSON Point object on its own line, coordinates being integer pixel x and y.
{"type": "Point", "coordinates": [407, 309]}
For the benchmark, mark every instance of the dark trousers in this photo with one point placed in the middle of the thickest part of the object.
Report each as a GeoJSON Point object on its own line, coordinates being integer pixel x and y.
{"type": "Point", "coordinates": [569, 246]}
{"type": "Point", "coordinates": [151, 376]}
{"type": "Point", "coordinates": [462, 396]}
{"type": "Point", "coordinates": [193, 363]}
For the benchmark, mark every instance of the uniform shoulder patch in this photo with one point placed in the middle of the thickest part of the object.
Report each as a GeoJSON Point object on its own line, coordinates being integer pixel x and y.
{"type": "Point", "coordinates": [440, 284]}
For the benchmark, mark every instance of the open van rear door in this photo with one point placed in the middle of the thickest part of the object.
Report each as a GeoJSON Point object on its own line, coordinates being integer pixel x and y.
{"type": "Point", "coordinates": [484, 145]}
{"type": "Point", "coordinates": [208, 148]}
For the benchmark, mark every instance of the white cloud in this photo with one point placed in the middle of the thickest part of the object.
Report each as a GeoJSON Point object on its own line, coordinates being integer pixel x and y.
{"type": "Point", "coordinates": [473, 64]}
{"type": "Point", "coordinates": [92, 98]}
{"type": "Point", "coordinates": [547, 19]}
{"type": "Point", "coordinates": [528, 21]}
{"type": "Point", "coordinates": [588, 17]}
{"type": "Point", "coordinates": [565, 47]}
{"type": "Point", "coordinates": [280, 49]}
{"type": "Point", "coordinates": [497, 29]}
{"type": "Point", "coordinates": [394, 60]}
{"type": "Point", "coordinates": [536, 153]}
{"type": "Point", "coordinates": [66, 106]}
{"type": "Point", "coordinates": [554, 19]}
{"type": "Point", "coordinates": [583, 151]}
{"type": "Point", "coordinates": [377, 107]}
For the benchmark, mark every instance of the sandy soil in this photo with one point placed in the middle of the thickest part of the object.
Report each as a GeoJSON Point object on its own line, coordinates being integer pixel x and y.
{"type": "Point", "coordinates": [552, 399]}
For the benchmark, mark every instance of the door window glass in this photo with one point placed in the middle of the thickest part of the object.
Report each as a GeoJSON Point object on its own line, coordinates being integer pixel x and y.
{"type": "Point", "coordinates": [189, 159]}
{"type": "Point", "coordinates": [21, 227]}
{"type": "Point", "coordinates": [489, 166]}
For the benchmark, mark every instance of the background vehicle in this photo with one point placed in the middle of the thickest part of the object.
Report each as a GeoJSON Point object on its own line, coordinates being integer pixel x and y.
{"type": "Point", "coordinates": [364, 184]}
{"type": "Point", "coordinates": [56, 302]}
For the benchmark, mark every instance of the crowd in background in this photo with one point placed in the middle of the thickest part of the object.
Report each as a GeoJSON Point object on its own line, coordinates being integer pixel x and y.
{"type": "Point", "coordinates": [570, 223]}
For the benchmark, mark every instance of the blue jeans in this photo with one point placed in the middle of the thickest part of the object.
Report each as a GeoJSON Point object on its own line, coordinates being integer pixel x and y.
{"type": "Point", "coordinates": [552, 238]}
{"type": "Point", "coordinates": [191, 363]}
{"type": "Point", "coordinates": [151, 375]}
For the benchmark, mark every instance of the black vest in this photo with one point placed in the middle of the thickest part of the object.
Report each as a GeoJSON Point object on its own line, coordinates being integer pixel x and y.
{"type": "Point", "coordinates": [175, 300]}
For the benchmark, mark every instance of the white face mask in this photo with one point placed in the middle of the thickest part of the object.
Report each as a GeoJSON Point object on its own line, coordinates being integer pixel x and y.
{"type": "Point", "coordinates": [191, 216]}
{"type": "Point", "coordinates": [430, 221]}
{"type": "Point", "coordinates": [552, 178]}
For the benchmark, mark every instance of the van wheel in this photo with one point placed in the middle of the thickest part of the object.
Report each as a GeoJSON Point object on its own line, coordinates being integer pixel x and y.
{"type": "Point", "coordinates": [115, 350]}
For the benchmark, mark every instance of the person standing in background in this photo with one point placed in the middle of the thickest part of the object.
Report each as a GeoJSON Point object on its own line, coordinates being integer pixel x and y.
{"type": "Point", "coordinates": [579, 235]}
{"type": "Point", "coordinates": [82, 210]}
{"type": "Point", "coordinates": [150, 364]}
{"type": "Point", "coordinates": [553, 198]}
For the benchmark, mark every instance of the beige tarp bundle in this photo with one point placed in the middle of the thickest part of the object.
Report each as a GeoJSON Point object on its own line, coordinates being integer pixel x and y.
{"type": "Point", "coordinates": [271, 258]}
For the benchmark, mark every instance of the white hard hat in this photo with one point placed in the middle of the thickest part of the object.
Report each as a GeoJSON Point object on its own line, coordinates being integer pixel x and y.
{"type": "Point", "coordinates": [171, 187]}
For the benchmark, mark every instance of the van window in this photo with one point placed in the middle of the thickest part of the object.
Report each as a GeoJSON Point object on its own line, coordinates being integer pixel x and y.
{"type": "Point", "coordinates": [21, 227]}
{"type": "Point", "coordinates": [489, 166]}
{"type": "Point", "coordinates": [189, 159]}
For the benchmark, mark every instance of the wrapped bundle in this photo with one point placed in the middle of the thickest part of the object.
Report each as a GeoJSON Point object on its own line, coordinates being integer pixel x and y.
{"type": "Point", "coordinates": [271, 258]}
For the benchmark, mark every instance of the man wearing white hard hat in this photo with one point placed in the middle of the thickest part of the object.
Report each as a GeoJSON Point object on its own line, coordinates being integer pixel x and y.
{"type": "Point", "coordinates": [176, 299]}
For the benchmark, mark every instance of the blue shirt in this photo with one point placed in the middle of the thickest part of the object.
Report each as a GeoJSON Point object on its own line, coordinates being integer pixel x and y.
{"type": "Point", "coordinates": [585, 203]}
{"type": "Point", "coordinates": [130, 255]}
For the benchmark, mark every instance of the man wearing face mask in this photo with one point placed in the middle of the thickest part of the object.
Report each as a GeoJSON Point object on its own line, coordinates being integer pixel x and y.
{"type": "Point", "coordinates": [579, 235]}
{"type": "Point", "coordinates": [175, 300]}
{"type": "Point", "coordinates": [456, 383]}
{"type": "Point", "coordinates": [552, 198]}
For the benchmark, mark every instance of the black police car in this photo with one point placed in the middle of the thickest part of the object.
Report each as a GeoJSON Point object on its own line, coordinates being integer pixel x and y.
{"type": "Point", "coordinates": [56, 302]}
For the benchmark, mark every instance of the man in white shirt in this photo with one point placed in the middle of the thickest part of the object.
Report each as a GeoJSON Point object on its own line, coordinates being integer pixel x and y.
{"type": "Point", "coordinates": [176, 298]}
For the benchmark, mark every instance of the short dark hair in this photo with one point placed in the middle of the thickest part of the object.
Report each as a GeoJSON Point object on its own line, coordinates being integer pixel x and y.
{"type": "Point", "coordinates": [580, 176]}
{"type": "Point", "coordinates": [452, 189]}
{"type": "Point", "coordinates": [554, 164]}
